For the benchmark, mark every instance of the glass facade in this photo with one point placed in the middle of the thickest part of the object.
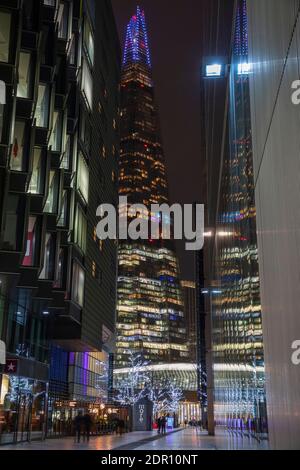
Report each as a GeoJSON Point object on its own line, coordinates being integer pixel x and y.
{"type": "Point", "coordinates": [150, 305]}
{"type": "Point", "coordinates": [238, 341]}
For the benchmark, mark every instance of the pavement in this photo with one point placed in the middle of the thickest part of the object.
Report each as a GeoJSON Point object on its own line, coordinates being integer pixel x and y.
{"type": "Point", "coordinates": [184, 439]}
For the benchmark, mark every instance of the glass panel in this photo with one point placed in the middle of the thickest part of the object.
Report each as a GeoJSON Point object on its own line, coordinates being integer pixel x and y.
{"type": "Point", "coordinates": [16, 160]}
{"type": "Point", "coordinates": [78, 284]}
{"type": "Point", "coordinates": [14, 219]}
{"type": "Point", "coordinates": [36, 183]}
{"type": "Point", "coordinates": [56, 136]}
{"type": "Point", "coordinates": [49, 257]}
{"type": "Point", "coordinates": [51, 203]}
{"type": "Point", "coordinates": [63, 20]}
{"type": "Point", "coordinates": [5, 25]}
{"type": "Point", "coordinates": [87, 84]}
{"type": "Point", "coordinates": [83, 178]}
{"type": "Point", "coordinates": [33, 234]}
{"type": "Point", "coordinates": [80, 229]}
{"type": "Point", "coordinates": [24, 85]}
{"type": "Point", "coordinates": [89, 41]}
{"type": "Point", "coordinates": [62, 221]}
{"type": "Point", "coordinates": [42, 107]}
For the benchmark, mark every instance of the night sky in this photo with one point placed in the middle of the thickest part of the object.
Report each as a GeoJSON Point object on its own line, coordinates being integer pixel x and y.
{"type": "Point", "coordinates": [175, 37]}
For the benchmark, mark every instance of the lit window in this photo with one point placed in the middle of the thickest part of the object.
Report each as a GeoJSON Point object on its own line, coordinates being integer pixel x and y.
{"type": "Point", "coordinates": [49, 257]}
{"type": "Point", "coordinates": [83, 178]}
{"type": "Point", "coordinates": [32, 242]}
{"type": "Point", "coordinates": [5, 25]}
{"type": "Point", "coordinates": [24, 72]}
{"type": "Point", "coordinates": [89, 41]}
{"type": "Point", "coordinates": [57, 128]}
{"type": "Point", "coordinates": [52, 199]}
{"type": "Point", "coordinates": [42, 106]}
{"type": "Point", "coordinates": [80, 229]}
{"type": "Point", "coordinates": [63, 20]}
{"type": "Point", "coordinates": [87, 84]}
{"type": "Point", "coordinates": [78, 282]}
{"type": "Point", "coordinates": [36, 181]}
{"type": "Point", "coordinates": [214, 70]}
{"type": "Point", "coordinates": [17, 153]}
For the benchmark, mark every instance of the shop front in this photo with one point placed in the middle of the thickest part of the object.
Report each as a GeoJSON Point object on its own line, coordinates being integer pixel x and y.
{"type": "Point", "coordinates": [23, 405]}
{"type": "Point", "coordinates": [105, 417]}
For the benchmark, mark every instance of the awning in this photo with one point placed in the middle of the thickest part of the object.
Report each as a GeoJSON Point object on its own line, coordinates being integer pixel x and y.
{"type": "Point", "coordinates": [2, 353]}
{"type": "Point", "coordinates": [2, 92]}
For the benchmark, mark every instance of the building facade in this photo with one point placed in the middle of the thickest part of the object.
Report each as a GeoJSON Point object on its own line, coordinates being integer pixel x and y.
{"type": "Point", "coordinates": [234, 290]}
{"type": "Point", "coordinates": [274, 54]}
{"type": "Point", "coordinates": [150, 304]}
{"type": "Point", "coordinates": [190, 315]}
{"type": "Point", "coordinates": [59, 144]}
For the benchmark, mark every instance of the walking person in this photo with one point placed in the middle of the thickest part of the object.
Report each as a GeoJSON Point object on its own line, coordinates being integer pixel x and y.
{"type": "Point", "coordinates": [158, 422]}
{"type": "Point", "coordinates": [78, 421]}
{"type": "Point", "coordinates": [164, 425]}
{"type": "Point", "coordinates": [87, 421]}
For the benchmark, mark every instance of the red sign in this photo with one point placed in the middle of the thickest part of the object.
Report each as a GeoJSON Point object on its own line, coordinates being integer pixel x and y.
{"type": "Point", "coordinates": [11, 366]}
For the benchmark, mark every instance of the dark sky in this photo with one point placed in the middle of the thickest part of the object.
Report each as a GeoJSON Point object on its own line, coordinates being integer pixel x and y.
{"type": "Point", "coordinates": [175, 36]}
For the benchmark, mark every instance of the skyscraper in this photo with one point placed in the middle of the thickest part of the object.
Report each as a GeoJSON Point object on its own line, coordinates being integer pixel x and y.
{"type": "Point", "coordinates": [150, 304]}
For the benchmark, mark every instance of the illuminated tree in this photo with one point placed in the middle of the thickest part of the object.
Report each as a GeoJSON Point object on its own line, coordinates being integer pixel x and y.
{"type": "Point", "coordinates": [132, 387]}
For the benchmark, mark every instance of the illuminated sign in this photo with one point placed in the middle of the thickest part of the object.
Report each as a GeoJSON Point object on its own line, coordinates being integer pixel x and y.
{"type": "Point", "coordinates": [244, 68]}
{"type": "Point", "coordinates": [214, 70]}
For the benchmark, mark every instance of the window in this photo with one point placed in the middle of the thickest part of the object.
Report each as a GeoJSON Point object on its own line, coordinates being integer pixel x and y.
{"type": "Point", "coordinates": [63, 20]}
{"type": "Point", "coordinates": [5, 26]}
{"type": "Point", "coordinates": [87, 84]}
{"type": "Point", "coordinates": [96, 273]}
{"type": "Point", "coordinates": [49, 257]}
{"type": "Point", "coordinates": [42, 106]}
{"type": "Point", "coordinates": [78, 284]}
{"type": "Point", "coordinates": [14, 220]}
{"type": "Point", "coordinates": [57, 129]}
{"type": "Point", "coordinates": [17, 160]}
{"type": "Point", "coordinates": [63, 216]}
{"type": "Point", "coordinates": [25, 79]}
{"type": "Point", "coordinates": [59, 276]}
{"type": "Point", "coordinates": [85, 132]}
{"type": "Point", "coordinates": [33, 234]}
{"type": "Point", "coordinates": [51, 203]}
{"type": "Point", "coordinates": [36, 185]}
{"type": "Point", "coordinates": [83, 178]}
{"type": "Point", "coordinates": [80, 229]}
{"type": "Point", "coordinates": [89, 41]}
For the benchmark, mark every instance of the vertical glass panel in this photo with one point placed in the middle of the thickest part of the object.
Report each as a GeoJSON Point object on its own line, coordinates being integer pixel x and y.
{"type": "Point", "coordinates": [80, 229]}
{"type": "Point", "coordinates": [51, 203]}
{"type": "Point", "coordinates": [14, 219]}
{"type": "Point", "coordinates": [17, 154]}
{"type": "Point", "coordinates": [63, 20]}
{"type": "Point", "coordinates": [83, 178]}
{"type": "Point", "coordinates": [24, 72]}
{"type": "Point", "coordinates": [62, 221]}
{"type": "Point", "coordinates": [37, 177]}
{"type": "Point", "coordinates": [5, 26]}
{"type": "Point", "coordinates": [78, 284]}
{"type": "Point", "coordinates": [32, 242]}
{"type": "Point", "coordinates": [56, 136]}
{"type": "Point", "coordinates": [87, 84]}
{"type": "Point", "coordinates": [49, 257]}
{"type": "Point", "coordinates": [89, 41]}
{"type": "Point", "coordinates": [42, 107]}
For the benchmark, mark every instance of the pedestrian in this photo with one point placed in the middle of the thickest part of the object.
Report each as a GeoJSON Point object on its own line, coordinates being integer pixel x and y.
{"type": "Point", "coordinates": [164, 425]}
{"type": "Point", "coordinates": [78, 421]}
{"type": "Point", "coordinates": [158, 422]}
{"type": "Point", "coordinates": [87, 422]}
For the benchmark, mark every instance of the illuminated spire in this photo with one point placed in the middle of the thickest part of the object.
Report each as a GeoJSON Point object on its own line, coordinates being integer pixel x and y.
{"type": "Point", "coordinates": [241, 30]}
{"type": "Point", "coordinates": [136, 44]}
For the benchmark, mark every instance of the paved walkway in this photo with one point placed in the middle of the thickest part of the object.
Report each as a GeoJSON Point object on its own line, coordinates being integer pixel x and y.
{"type": "Point", "coordinates": [186, 439]}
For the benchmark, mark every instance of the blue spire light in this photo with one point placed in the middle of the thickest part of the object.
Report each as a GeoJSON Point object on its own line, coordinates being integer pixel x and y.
{"type": "Point", "coordinates": [136, 43]}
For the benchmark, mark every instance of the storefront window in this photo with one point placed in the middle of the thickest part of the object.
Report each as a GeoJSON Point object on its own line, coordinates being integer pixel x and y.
{"type": "Point", "coordinates": [5, 26]}
{"type": "Point", "coordinates": [83, 178]}
{"type": "Point", "coordinates": [42, 107]}
{"type": "Point", "coordinates": [25, 73]}
{"type": "Point", "coordinates": [78, 284]}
